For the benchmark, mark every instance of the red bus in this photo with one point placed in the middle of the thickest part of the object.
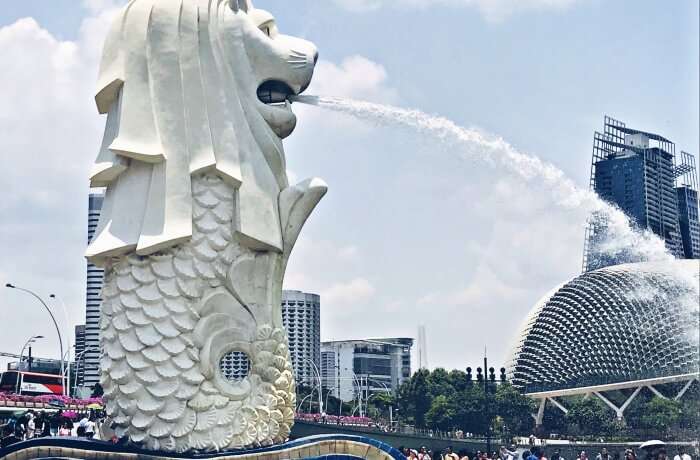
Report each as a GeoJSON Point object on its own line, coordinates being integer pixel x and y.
{"type": "Point", "coordinates": [30, 383]}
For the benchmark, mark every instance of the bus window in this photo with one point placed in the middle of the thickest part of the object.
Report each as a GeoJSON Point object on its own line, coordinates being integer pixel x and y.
{"type": "Point", "coordinates": [41, 384]}
{"type": "Point", "coordinates": [8, 382]}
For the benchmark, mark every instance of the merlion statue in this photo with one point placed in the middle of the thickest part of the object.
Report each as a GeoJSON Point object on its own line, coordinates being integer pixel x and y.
{"type": "Point", "coordinates": [198, 222]}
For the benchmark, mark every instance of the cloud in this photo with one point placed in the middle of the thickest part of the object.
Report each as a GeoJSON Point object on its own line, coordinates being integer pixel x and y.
{"type": "Point", "coordinates": [100, 6]}
{"type": "Point", "coordinates": [493, 10]}
{"type": "Point", "coordinates": [348, 293]}
{"type": "Point", "coordinates": [355, 77]}
{"type": "Point", "coordinates": [50, 135]}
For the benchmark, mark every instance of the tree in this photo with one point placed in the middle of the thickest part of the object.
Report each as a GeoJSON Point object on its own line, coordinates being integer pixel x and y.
{"type": "Point", "coordinates": [554, 420]}
{"type": "Point", "coordinates": [514, 409]}
{"type": "Point", "coordinates": [661, 414]}
{"type": "Point", "coordinates": [590, 416]}
{"type": "Point", "coordinates": [414, 399]}
{"type": "Point", "coordinates": [441, 414]}
{"type": "Point", "coordinates": [470, 410]}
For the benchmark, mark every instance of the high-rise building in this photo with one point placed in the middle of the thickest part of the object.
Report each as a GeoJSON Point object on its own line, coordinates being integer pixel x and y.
{"type": "Point", "coordinates": [93, 301]}
{"type": "Point", "coordinates": [352, 367]}
{"type": "Point", "coordinates": [638, 171]}
{"type": "Point", "coordinates": [687, 191]}
{"type": "Point", "coordinates": [301, 316]}
{"type": "Point", "coordinates": [79, 349]}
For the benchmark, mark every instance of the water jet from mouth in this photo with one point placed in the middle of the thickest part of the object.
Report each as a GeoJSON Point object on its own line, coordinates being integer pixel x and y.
{"type": "Point", "coordinates": [621, 242]}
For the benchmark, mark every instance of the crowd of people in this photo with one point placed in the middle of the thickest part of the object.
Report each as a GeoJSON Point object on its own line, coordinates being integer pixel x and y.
{"type": "Point", "coordinates": [535, 453]}
{"type": "Point", "coordinates": [31, 424]}
{"type": "Point", "coordinates": [449, 454]}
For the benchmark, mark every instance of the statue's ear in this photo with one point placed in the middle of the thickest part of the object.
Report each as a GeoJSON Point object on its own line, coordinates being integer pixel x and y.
{"type": "Point", "coordinates": [243, 5]}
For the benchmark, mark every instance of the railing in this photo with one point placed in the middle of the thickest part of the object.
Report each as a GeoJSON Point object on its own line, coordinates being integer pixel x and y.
{"type": "Point", "coordinates": [367, 424]}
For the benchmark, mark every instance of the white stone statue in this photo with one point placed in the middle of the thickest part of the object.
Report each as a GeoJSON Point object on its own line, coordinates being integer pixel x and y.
{"type": "Point", "coordinates": [198, 222]}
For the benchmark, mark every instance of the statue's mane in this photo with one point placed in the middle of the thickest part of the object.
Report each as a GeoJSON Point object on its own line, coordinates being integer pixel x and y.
{"type": "Point", "coordinates": [170, 83]}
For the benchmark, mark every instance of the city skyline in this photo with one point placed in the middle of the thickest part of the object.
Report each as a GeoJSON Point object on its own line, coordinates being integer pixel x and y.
{"type": "Point", "coordinates": [490, 245]}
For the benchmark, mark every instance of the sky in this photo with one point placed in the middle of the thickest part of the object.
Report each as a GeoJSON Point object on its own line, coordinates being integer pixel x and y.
{"type": "Point", "coordinates": [412, 232]}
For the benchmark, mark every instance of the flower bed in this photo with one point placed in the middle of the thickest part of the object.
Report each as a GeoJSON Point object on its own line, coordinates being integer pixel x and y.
{"type": "Point", "coordinates": [334, 419]}
{"type": "Point", "coordinates": [45, 401]}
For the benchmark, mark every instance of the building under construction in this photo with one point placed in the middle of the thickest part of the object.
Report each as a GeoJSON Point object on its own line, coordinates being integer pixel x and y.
{"type": "Point", "coordinates": [640, 173]}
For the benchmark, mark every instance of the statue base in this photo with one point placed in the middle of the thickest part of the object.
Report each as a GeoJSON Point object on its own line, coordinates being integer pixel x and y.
{"type": "Point", "coordinates": [327, 447]}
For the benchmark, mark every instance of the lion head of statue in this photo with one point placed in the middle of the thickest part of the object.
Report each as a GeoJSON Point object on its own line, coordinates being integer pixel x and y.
{"type": "Point", "coordinates": [192, 86]}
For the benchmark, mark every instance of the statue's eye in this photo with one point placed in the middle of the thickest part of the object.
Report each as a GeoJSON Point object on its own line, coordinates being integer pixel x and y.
{"type": "Point", "coordinates": [268, 28]}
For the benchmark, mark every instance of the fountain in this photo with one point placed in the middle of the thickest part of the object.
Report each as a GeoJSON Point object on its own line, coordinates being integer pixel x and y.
{"type": "Point", "coordinates": [621, 239]}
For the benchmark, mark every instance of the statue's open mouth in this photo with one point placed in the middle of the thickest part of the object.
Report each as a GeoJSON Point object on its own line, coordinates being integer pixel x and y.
{"type": "Point", "coordinates": [274, 92]}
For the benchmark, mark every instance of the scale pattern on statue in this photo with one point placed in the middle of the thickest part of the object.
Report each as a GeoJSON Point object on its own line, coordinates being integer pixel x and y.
{"type": "Point", "coordinates": [159, 390]}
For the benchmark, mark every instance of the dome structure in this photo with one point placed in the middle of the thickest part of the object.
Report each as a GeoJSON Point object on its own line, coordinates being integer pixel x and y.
{"type": "Point", "coordinates": [616, 324]}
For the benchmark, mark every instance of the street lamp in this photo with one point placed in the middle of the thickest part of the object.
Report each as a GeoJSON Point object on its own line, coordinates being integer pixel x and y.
{"type": "Point", "coordinates": [320, 387]}
{"type": "Point", "coordinates": [58, 331]}
{"type": "Point", "coordinates": [29, 341]}
{"type": "Point", "coordinates": [68, 335]}
{"type": "Point", "coordinates": [80, 357]}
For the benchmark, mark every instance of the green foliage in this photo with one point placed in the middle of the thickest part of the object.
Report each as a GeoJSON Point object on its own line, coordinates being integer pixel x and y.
{"type": "Point", "coordinates": [661, 414]}
{"type": "Point", "coordinates": [441, 414]}
{"type": "Point", "coordinates": [515, 409]}
{"type": "Point", "coordinates": [414, 398]}
{"type": "Point", "coordinates": [554, 420]}
{"type": "Point", "coordinates": [590, 416]}
{"type": "Point", "coordinates": [445, 400]}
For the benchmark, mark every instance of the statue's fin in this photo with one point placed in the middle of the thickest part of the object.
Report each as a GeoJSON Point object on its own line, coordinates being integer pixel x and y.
{"type": "Point", "coordinates": [296, 204]}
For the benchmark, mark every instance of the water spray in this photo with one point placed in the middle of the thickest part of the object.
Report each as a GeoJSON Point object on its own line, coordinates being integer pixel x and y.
{"type": "Point", "coordinates": [621, 240]}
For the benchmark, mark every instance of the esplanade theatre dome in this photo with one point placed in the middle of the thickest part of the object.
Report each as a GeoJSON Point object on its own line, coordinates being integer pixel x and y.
{"type": "Point", "coordinates": [619, 323]}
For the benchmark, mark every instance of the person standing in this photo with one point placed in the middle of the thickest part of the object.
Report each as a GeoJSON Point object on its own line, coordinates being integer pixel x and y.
{"type": "Point", "coordinates": [603, 455]}
{"type": "Point", "coordinates": [449, 455]}
{"type": "Point", "coordinates": [506, 454]}
{"type": "Point", "coordinates": [31, 425]}
{"type": "Point", "coordinates": [56, 422]}
{"type": "Point", "coordinates": [682, 454]}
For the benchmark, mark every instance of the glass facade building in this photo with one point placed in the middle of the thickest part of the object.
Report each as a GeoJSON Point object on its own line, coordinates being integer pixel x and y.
{"type": "Point", "coordinates": [368, 366]}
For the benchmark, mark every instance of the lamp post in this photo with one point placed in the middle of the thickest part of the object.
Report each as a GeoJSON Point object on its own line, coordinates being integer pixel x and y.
{"type": "Point", "coordinates": [388, 391]}
{"type": "Point", "coordinates": [68, 335]}
{"type": "Point", "coordinates": [486, 406]}
{"type": "Point", "coordinates": [29, 341]}
{"type": "Point", "coordinates": [78, 358]}
{"type": "Point", "coordinates": [58, 331]}
{"type": "Point", "coordinates": [320, 389]}
{"type": "Point", "coordinates": [328, 393]}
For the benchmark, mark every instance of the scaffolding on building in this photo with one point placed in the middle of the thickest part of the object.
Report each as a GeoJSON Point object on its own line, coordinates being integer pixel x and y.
{"type": "Point", "coordinates": [611, 143]}
{"type": "Point", "coordinates": [686, 171]}
{"type": "Point", "coordinates": [686, 176]}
